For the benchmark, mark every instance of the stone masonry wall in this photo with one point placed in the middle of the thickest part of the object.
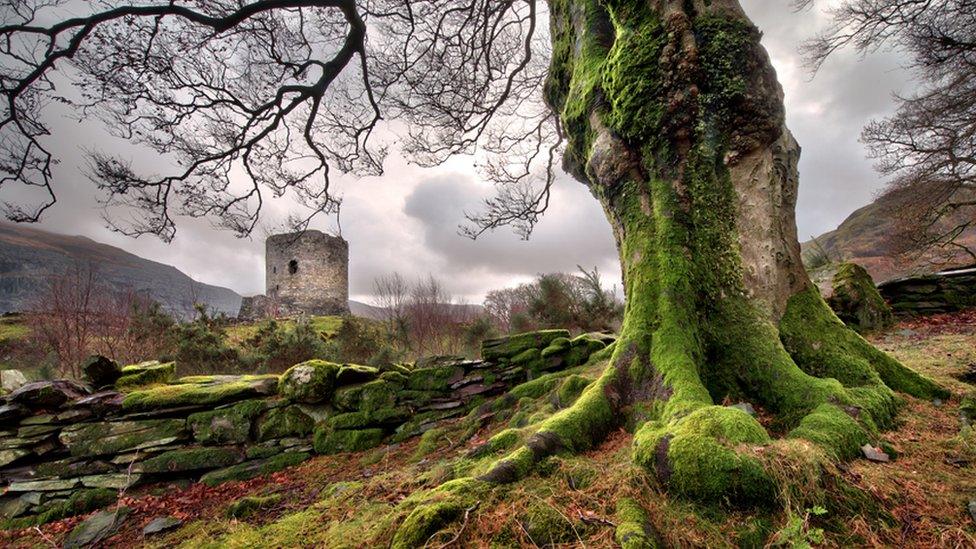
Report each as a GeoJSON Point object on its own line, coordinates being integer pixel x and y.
{"type": "Point", "coordinates": [308, 273]}
{"type": "Point", "coordinates": [936, 293]}
{"type": "Point", "coordinates": [67, 448]}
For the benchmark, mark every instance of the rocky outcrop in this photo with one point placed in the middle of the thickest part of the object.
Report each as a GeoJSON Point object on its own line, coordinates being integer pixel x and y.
{"type": "Point", "coordinates": [942, 292]}
{"type": "Point", "coordinates": [66, 449]}
{"type": "Point", "coordinates": [856, 301]}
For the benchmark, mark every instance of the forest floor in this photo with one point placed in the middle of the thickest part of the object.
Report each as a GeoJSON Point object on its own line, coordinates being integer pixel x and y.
{"type": "Point", "coordinates": [351, 500]}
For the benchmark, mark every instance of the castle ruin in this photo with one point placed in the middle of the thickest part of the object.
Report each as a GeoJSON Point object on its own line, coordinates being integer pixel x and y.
{"type": "Point", "coordinates": [305, 273]}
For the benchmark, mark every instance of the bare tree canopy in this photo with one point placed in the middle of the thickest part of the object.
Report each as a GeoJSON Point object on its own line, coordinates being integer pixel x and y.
{"type": "Point", "coordinates": [251, 99]}
{"type": "Point", "coordinates": [928, 146]}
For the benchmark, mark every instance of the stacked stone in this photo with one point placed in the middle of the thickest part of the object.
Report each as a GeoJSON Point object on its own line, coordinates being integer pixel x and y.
{"type": "Point", "coordinates": [68, 448]}
{"type": "Point", "coordinates": [937, 293]}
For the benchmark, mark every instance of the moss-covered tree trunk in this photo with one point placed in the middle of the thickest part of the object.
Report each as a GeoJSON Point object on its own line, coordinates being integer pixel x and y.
{"type": "Point", "coordinates": [675, 121]}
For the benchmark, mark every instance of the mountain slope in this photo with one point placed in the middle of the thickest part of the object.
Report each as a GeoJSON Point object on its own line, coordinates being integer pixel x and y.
{"type": "Point", "coordinates": [28, 256]}
{"type": "Point", "coordinates": [862, 238]}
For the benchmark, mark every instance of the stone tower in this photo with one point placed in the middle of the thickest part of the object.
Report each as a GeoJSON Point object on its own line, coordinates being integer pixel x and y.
{"type": "Point", "coordinates": [308, 273]}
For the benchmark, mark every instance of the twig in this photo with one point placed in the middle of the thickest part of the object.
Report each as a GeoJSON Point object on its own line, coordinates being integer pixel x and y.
{"type": "Point", "coordinates": [464, 524]}
{"type": "Point", "coordinates": [45, 537]}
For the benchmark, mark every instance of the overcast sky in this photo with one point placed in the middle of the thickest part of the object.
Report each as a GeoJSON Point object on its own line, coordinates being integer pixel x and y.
{"type": "Point", "coordinates": [407, 220]}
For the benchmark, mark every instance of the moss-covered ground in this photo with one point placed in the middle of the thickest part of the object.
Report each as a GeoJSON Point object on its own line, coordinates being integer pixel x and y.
{"type": "Point", "coordinates": [358, 499]}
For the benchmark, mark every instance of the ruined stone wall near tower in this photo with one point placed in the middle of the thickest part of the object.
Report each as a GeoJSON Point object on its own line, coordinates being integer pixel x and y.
{"type": "Point", "coordinates": [307, 273]}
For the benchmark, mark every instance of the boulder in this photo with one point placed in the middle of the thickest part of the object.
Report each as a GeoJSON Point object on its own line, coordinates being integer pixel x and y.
{"type": "Point", "coordinates": [11, 380]}
{"type": "Point", "coordinates": [101, 371]}
{"type": "Point", "coordinates": [96, 528]}
{"type": "Point", "coordinates": [146, 373]}
{"type": "Point", "coordinates": [856, 301]}
{"type": "Point", "coordinates": [47, 395]}
{"type": "Point", "coordinates": [309, 382]}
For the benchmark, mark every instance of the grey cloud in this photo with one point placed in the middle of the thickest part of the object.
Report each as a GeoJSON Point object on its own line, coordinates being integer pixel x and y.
{"type": "Point", "coordinates": [407, 220]}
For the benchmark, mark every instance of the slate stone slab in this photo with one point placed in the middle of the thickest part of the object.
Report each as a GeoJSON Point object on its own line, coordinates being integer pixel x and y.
{"type": "Point", "coordinates": [161, 524]}
{"type": "Point", "coordinates": [96, 528]}
{"type": "Point", "coordinates": [95, 439]}
{"type": "Point", "coordinates": [47, 395]}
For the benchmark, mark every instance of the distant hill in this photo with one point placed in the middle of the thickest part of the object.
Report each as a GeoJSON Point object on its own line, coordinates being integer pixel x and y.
{"type": "Point", "coordinates": [861, 239]}
{"type": "Point", "coordinates": [28, 256]}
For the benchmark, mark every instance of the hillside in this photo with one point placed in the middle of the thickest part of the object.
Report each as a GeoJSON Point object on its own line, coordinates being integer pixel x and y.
{"type": "Point", "coordinates": [861, 238]}
{"type": "Point", "coordinates": [29, 255]}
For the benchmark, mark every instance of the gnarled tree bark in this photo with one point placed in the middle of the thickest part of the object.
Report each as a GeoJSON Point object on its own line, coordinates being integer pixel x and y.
{"type": "Point", "coordinates": [675, 121]}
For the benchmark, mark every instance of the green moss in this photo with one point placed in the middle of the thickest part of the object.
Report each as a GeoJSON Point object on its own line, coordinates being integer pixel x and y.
{"type": "Point", "coordinates": [429, 443]}
{"type": "Point", "coordinates": [633, 526]}
{"type": "Point", "coordinates": [703, 460]}
{"type": "Point", "coordinates": [424, 522]}
{"type": "Point", "coordinates": [230, 425]}
{"type": "Point", "coordinates": [255, 468]}
{"type": "Point", "coordinates": [437, 378]}
{"type": "Point", "coordinates": [632, 77]}
{"type": "Point", "coordinates": [856, 301]}
{"type": "Point", "coordinates": [284, 422]}
{"type": "Point", "coordinates": [146, 373]}
{"type": "Point", "coordinates": [822, 345]}
{"type": "Point", "coordinates": [171, 396]}
{"type": "Point", "coordinates": [571, 388]}
{"type": "Point", "coordinates": [511, 346]}
{"type": "Point", "coordinates": [248, 506]}
{"type": "Point", "coordinates": [80, 502]}
{"type": "Point", "coordinates": [359, 420]}
{"type": "Point", "coordinates": [105, 438]}
{"type": "Point", "coordinates": [546, 526]}
{"type": "Point", "coordinates": [190, 459]}
{"type": "Point", "coordinates": [334, 441]}
{"type": "Point", "coordinates": [557, 347]}
{"type": "Point", "coordinates": [354, 373]}
{"type": "Point", "coordinates": [833, 430]}
{"type": "Point", "coordinates": [309, 382]}
{"type": "Point", "coordinates": [367, 397]}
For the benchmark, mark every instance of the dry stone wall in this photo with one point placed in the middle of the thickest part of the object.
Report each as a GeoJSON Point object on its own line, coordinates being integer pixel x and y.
{"type": "Point", "coordinates": [67, 447]}
{"type": "Point", "coordinates": [936, 293]}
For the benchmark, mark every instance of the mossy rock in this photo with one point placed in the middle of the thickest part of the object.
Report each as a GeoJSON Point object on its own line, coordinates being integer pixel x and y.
{"type": "Point", "coordinates": [367, 397]}
{"type": "Point", "coordinates": [437, 378]}
{"type": "Point", "coordinates": [191, 459]}
{"type": "Point", "coordinates": [509, 346]}
{"type": "Point", "coordinates": [351, 374]}
{"type": "Point", "coordinates": [333, 441]}
{"type": "Point", "coordinates": [80, 502]}
{"type": "Point", "coordinates": [247, 506]}
{"type": "Point", "coordinates": [558, 346]}
{"type": "Point", "coordinates": [284, 422]}
{"type": "Point", "coordinates": [856, 301]}
{"type": "Point", "coordinates": [98, 439]}
{"type": "Point", "coordinates": [192, 394]}
{"type": "Point", "coordinates": [309, 382]}
{"type": "Point", "coordinates": [254, 468]}
{"type": "Point", "coordinates": [101, 371]}
{"type": "Point", "coordinates": [231, 425]}
{"type": "Point", "coordinates": [146, 373]}
{"type": "Point", "coordinates": [363, 419]}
